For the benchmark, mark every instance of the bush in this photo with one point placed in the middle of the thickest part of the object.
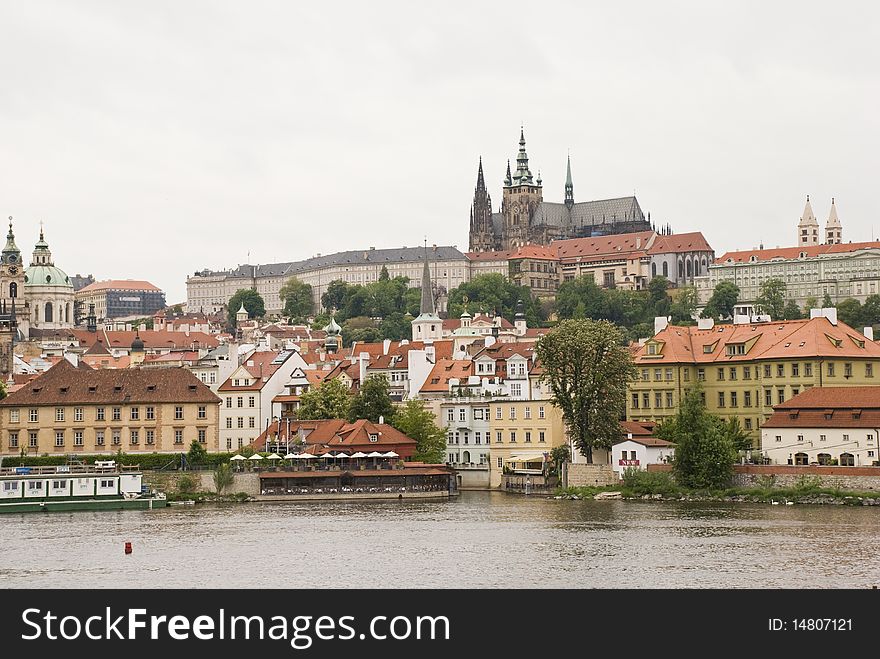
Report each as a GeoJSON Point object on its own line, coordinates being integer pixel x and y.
{"type": "Point", "coordinates": [638, 482]}
{"type": "Point", "coordinates": [186, 484]}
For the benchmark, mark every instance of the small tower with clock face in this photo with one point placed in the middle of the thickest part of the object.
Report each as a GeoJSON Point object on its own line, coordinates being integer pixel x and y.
{"type": "Point", "coordinates": [12, 307]}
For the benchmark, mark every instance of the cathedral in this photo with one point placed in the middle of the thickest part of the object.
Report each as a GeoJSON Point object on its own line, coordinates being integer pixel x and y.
{"type": "Point", "coordinates": [525, 218]}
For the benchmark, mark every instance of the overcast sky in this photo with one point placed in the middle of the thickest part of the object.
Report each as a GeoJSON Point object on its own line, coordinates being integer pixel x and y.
{"type": "Point", "coordinates": [157, 138]}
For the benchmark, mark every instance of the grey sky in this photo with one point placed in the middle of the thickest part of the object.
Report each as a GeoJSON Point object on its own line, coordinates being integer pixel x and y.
{"type": "Point", "coordinates": [158, 138]}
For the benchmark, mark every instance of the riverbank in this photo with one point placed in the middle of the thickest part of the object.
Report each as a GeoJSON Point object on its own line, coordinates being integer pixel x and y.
{"type": "Point", "coordinates": [774, 496]}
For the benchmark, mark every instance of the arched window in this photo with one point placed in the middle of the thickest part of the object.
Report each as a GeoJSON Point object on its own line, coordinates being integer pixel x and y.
{"type": "Point", "coordinates": [466, 457]}
{"type": "Point", "coordinates": [824, 458]}
{"type": "Point", "coordinates": [680, 270]}
{"type": "Point", "coordinates": [847, 460]}
{"type": "Point", "coordinates": [665, 269]}
{"type": "Point", "coordinates": [688, 269]}
{"type": "Point", "coordinates": [801, 459]}
{"type": "Point", "coordinates": [653, 269]}
{"type": "Point", "coordinates": [67, 313]}
{"type": "Point", "coordinates": [48, 314]}
{"type": "Point", "coordinates": [13, 290]}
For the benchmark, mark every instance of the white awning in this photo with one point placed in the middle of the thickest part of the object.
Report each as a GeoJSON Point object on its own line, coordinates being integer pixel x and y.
{"type": "Point", "coordinates": [526, 457]}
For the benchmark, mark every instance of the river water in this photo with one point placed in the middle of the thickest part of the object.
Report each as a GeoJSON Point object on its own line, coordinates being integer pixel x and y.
{"type": "Point", "coordinates": [479, 540]}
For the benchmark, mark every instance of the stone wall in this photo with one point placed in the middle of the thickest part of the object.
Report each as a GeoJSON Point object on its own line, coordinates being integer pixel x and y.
{"type": "Point", "coordinates": [166, 481]}
{"type": "Point", "coordinates": [846, 478]}
{"type": "Point", "coordinates": [473, 479]}
{"type": "Point", "coordinates": [584, 475]}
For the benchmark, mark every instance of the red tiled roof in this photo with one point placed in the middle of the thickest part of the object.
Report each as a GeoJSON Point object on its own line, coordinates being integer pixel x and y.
{"type": "Point", "coordinates": [335, 435]}
{"type": "Point", "coordinates": [118, 284]}
{"type": "Point", "coordinates": [834, 397]}
{"type": "Point", "coordinates": [601, 247]}
{"type": "Point", "coordinates": [794, 252]}
{"type": "Point", "coordinates": [829, 407]}
{"type": "Point", "coordinates": [161, 339]}
{"type": "Point", "coordinates": [646, 441]}
{"type": "Point", "coordinates": [444, 369]}
{"type": "Point", "coordinates": [637, 427]}
{"type": "Point", "coordinates": [260, 367]}
{"type": "Point", "coordinates": [680, 242]}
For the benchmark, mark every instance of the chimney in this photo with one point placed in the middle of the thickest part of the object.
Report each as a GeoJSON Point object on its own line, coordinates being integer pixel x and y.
{"type": "Point", "coordinates": [660, 324]}
{"type": "Point", "coordinates": [386, 345]}
{"type": "Point", "coordinates": [638, 242]}
{"type": "Point", "coordinates": [705, 323]}
{"type": "Point", "coordinates": [825, 312]}
{"type": "Point", "coordinates": [381, 419]}
{"type": "Point", "coordinates": [869, 333]}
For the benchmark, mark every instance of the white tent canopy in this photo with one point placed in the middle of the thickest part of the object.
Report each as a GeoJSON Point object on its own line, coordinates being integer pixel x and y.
{"type": "Point", "coordinates": [256, 456]}
{"type": "Point", "coordinates": [238, 457]}
{"type": "Point", "coordinates": [274, 456]}
{"type": "Point", "coordinates": [359, 454]}
{"type": "Point", "coordinates": [290, 456]}
{"type": "Point", "coordinates": [375, 454]}
{"type": "Point", "coordinates": [391, 454]}
{"type": "Point", "coordinates": [306, 456]}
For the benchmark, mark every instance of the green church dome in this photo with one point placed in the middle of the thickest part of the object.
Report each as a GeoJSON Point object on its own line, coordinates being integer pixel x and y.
{"type": "Point", "coordinates": [46, 275]}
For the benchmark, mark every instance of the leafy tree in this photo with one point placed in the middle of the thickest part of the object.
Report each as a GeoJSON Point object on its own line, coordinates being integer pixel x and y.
{"type": "Point", "coordinates": [791, 311]}
{"type": "Point", "coordinates": [724, 298]}
{"type": "Point", "coordinates": [414, 421]}
{"type": "Point", "coordinates": [871, 311]}
{"type": "Point", "coordinates": [335, 295]}
{"type": "Point", "coordinates": [826, 301]}
{"type": "Point", "coordinates": [360, 329]}
{"type": "Point", "coordinates": [704, 452]}
{"type": "Point", "coordinates": [330, 400]}
{"type": "Point", "coordinates": [588, 369]}
{"type": "Point", "coordinates": [810, 303]}
{"type": "Point", "coordinates": [737, 435]}
{"type": "Point", "coordinates": [2, 390]}
{"type": "Point", "coordinates": [850, 312]}
{"type": "Point", "coordinates": [296, 297]}
{"type": "Point", "coordinates": [396, 326]}
{"type": "Point", "coordinates": [383, 274]}
{"type": "Point", "coordinates": [320, 321]}
{"type": "Point", "coordinates": [196, 454]}
{"type": "Point", "coordinates": [223, 477]}
{"type": "Point", "coordinates": [581, 298]}
{"type": "Point", "coordinates": [176, 309]}
{"type": "Point", "coordinates": [684, 306]}
{"type": "Point", "coordinates": [559, 455]}
{"type": "Point", "coordinates": [660, 302]}
{"type": "Point", "coordinates": [372, 401]}
{"type": "Point", "coordinates": [771, 298]}
{"type": "Point", "coordinates": [493, 292]}
{"type": "Point", "coordinates": [253, 304]}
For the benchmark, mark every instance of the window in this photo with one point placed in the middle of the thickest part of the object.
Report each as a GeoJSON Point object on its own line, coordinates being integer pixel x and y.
{"type": "Point", "coordinates": [658, 374]}
{"type": "Point", "coordinates": [780, 370]}
{"type": "Point", "coordinates": [99, 438]}
{"type": "Point", "coordinates": [540, 435]}
{"type": "Point", "coordinates": [106, 484]}
{"type": "Point", "coordinates": [528, 437]}
{"type": "Point", "coordinates": [635, 401]}
{"type": "Point", "coordinates": [846, 438]}
{"type": "Point", "coordinates": [869, 370]}
{"type": "Point", "coordinates": [99, 414]}
{"type": "Point", "coordinates": [847, 370]}
{"type": "Point", "coordinates": [512, 413]}
{"type": "Point", "coordinates": [229, 444]}
{"type": "Point", "coordinates": [116, 437]}
{"type": "Point", "coordinates": [134, 437]}
{"type": "Point", "coordinates": [736, 349]}
{"type": "Point", "coordinates": [795, 370]}
{"type": "Point", "coordinates": [668, 399]}
{"type": "Point", "coordinates": [780, 396]}
{"type": "Point", "coordinates": [477, 438]}
{"type": "Point", "coordinates": [150, 436]}
{"type": "Point", "coordinates": [513, 436]}
{"type": "Point", "coordinates": [77, 414]}
{"type": "Point", "coordinates": [748, 423]}
{"type": "Point", "coordinates": [747, 372]}
{"type": "Point", "coordinates": [252, 422]}
{"type": "Point", "coordinates": [687, 374]}
{"type": "Point", "coordinates": [541, 412]}
{"type": "Point", "coordinates": [10, 486]}
{"type": "Point", "coordinates": [117, 413]}
{"type": "Point", "coordinates": [822, 438]}
{"type": "Point", "coordinates": [450, 415]}
{"type": "Point", "coordinates": [831, 369]}
{"type": "Point", "coordinates": [35, 485]}
{"type": "Point", "coordinates": [498, 439]}
{"type": "Point", "coordinates": [800, 438]}
{"type": "Point", "coordinates": [135, 413]}
{"type": "Point", "coordinates": [720, 374]}
{"type": "Point", "coordinates": [59, 438]}
{"type": "Point", "coordinates": [766, 370]}
{"type": "Point", "coordinates": [203, 411]}
{"type": "Point", "coordinates": [498, 413]}
{"type": "Point", "coordinates": [646, 400]}
{"type": "Point", "coordinates": [13, 439]}
{"type": "Point", "coordinates": [701, 374]}
{"type": "Point", "coordinates": [240, 401]}
{"type": "Point", "coordinates": [252, 401]}
{"type": "Point", "coordinates": [178, 413]}
{"type": "Point", "coordinates": [733, 399]}
{"type": "Point", "coordinates": [668, 374]}
{"type": "Point", "coordinates": [229, 422]}
{"type": "Point", "coordinates": [528, 413]}
{"type": "Point", "coordinates": [59, 414]}
{"type": "Point", "coordinates": [733, 373]}
{"type": "Point", "coordinates": [808, 369]}
{"type": "Point", "coordinates": [478, 413]}
{"type": "Point", "coordinates": [240, 422]}
{"type": "Point", "coordinates": [462, 414]}
{"type": "Point", "coordinates": [77, 437]}
{"type": "Point", "coordinates": [178, 436]}
{"type": "Point", "coordinates": [646, 374]}
{"type": "Point", "coordinates": [720, 399]}
{"type": "Point", "coordinates": [229, 401]}
{"type": "Point", "coordinates": [500, 463]}
{"type": "Point", "coordinates": [203, 436]}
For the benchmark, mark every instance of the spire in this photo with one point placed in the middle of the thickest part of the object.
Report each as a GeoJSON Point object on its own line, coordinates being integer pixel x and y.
{"type": "Point", "coordinates": [832, 216]}
{"type": "Point", "coordinates": [808, 227]}
{"type": "Point", "coordinates": [508, 181]}
{"type": "Point", "coordinates": [11, 248]}
{"type": "Point", "coordinates": [481, 184]}
{"type": "Point", "coordinates": [523, 175]}
{"type": "Point", "coordinates": [569, 186]}
{"type": "Point", "coordinates": [427, 306]}
{"type": "Point", "coordinates": [833, 230]}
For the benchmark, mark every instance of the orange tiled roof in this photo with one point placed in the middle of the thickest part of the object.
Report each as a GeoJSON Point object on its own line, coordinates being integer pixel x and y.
{"type": "Point", "coordinates": [118, 284]}
{"type": "Point", "coordinates": [794, 252]}
{"type": "Point", "coordinates": [680, 242]}
{"type": "Point", "coordinates": [601, 247]}
{"type": "Point", "coordinates": [445, 369]}
{"type": "Point", "coordinates": [829, 407]}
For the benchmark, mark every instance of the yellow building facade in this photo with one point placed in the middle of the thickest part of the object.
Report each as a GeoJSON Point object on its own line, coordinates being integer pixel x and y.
{"type": "Point", "coordinates": [521, 432]}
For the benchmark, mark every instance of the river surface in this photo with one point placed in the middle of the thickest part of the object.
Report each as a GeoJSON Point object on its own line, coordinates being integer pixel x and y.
{"type": "Point", "coordinates": [479, 540]}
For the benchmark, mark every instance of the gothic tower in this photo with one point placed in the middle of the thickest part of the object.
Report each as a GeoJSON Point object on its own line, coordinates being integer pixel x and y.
{"type": "Point", "coordinates": [427, 326]}
{"type": "Point", "coordinates": [481, 238]}
{"type": "Point", "coordinates": [569, 186]}
{"type": "Point", "coordinates": [808, 227]}
{"type": "Point", "coordinates": [12, 307]}
{"type": "Point", "coordinates": [521, 197]}
{"type": "Point", "coordinates": [833, 230]}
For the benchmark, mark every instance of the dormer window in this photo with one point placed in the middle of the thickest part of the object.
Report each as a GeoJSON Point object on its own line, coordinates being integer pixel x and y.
{"type": "Point", "coordinates": [829, 414]}
{"type": "Point", "coordinates": [856, 414]}
{"type": "Point", "coordinates": [151, 387]}
{"type": "Point", "coordinates": [374, 437]}
{"type": "Point", "coordinates": [736, 349]}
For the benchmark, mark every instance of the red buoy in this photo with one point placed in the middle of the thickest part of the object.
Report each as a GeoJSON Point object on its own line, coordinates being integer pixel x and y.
{"type": "Point", "coordinates": [127, 547]}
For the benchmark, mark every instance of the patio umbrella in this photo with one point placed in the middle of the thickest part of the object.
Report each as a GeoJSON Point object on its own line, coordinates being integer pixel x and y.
{"type": "Point", "coordinates": [291, 456]}
{"type": "Point", "coordinates": [238, 457]}
{"type": "Point", "coordinates": [359, 454]}
{"type": "Point", "coordinates": [391, 454]}
{"type": "Point", "coordinates": [274, 456]}
{"type": "Point", "coordinates": [375, 454]}
{"type": "Point", "coordinates": [307, 456]}
{"type": "Point", "coordinates": [256, 456]}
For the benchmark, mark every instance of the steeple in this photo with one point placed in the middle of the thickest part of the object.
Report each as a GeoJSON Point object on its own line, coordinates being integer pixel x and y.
{"type": "Point", "coordinates": [569, 186]}
{"type": "Point", "coordinates": [11, 249]}
{"type": "Point", "coordinates": [427, 305]}
{"type": "Point", "coordinates": [523, 176]}
{"type": "Point", "coordinates": [42, 255]}
{"type": "Point", "coordinates": [833, 230]}
{"type": "Point", "coordinates": [808, 227]}
{"type": "Point", "coordinates": [481, 184]}
{"type": "Point", "coordinates": [508, 181]}
{"type": "Point", "coordinates": [427, 326]}
{"type": "Point", "coordinates": [481, 237]}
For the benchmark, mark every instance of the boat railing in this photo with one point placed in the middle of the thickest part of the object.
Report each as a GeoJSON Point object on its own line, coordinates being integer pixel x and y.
{"type": "Point", "coordinates": [49, 470]}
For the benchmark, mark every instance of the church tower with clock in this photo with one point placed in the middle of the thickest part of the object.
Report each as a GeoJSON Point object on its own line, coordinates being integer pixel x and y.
{"type": "Point", "coordinates": [13, 311]}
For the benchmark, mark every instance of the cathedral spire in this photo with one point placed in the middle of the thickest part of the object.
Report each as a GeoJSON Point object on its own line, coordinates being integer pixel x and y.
{"type": "Point", "coordinates": [523, 175]}
{"type": "Point", "coordinates": [481, 184]}
{"type": "Point", "coordinates": [508, 181]}
{"type": "Point", "coordinates": [427, 306]}
{"type": "Point", "coordinates": [569, 186]}
{"type": "Point", "coordinates": [833, 229]}
{"type": "Point", "coordinates": [808, 227]}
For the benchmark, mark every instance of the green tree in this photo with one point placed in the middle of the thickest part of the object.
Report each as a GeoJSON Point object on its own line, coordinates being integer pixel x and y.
{"type": "Point", "coordinates": [335, 296]}
{"type": "Point", "coordinates": [871, 311]}
{"type": "Point", "coordinates": [704, 453]}
{"type": "Point", "coordinates": [826, 301]}
{"type": "Point", "coordinates": [810, 303]}
{"type": "Point", "coordinates": [724, 298]}
{"type": "Point", "coordinates": [196, 454]}
{"type": "Point", "coordinates": [383, 274]}
{"type": "Point", "coordinates": [253, 304]}
{"type": "Point", "coordinates": [658, 296]}
{"type": "Point", "coordinates": [737, 435]}
{"type": "Point", "coordinates": [850, 312]}
{"type": "Point", "coordinates": [418, 423]}
{"type": "Point", "coordinates": [581, 298]}
{"type": "Point", "coordinates": [493, 292]}
{"type": "Point", "coordinates": [588, 369]}
{"type": "Point", "coordinates": [791, 311]}
{"type": "Point", "coordinates": [559, 455]}
{"type": "Point", "coordinates": [223, 477]}
{"type": "Point", "coordinates": [771, 298]}
{"type": "Point", "coordinates": [296, 296]}
{"type": "Point", "coordinates": [396, 326]}
{"type": "Point", "coordinates": [2, 390]}
{"type": "Point", "coordinates": [361, 329]}
{"type": "Point", "coordinates": [372, 401]}
{"type": "Point", "coordinates": [684, 305]}
{"type": "Point", "coordinates": [328, 401]}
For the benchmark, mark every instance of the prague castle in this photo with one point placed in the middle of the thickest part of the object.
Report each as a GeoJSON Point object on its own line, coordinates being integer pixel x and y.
{"type": "Point", "coordinates": [525, 218]}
